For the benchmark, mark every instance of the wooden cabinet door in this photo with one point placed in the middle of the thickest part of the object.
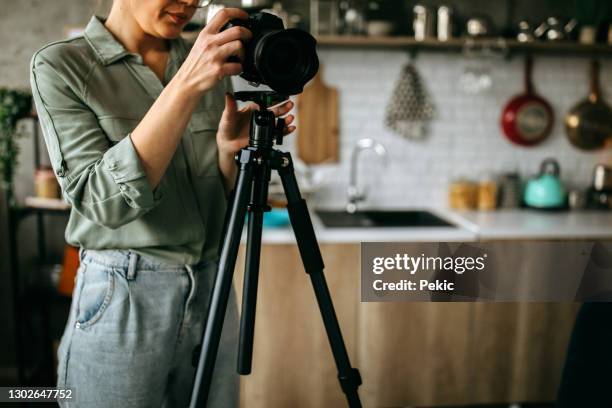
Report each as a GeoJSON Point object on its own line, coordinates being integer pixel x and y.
{"type": "Point", "coordinates": [424, 354]}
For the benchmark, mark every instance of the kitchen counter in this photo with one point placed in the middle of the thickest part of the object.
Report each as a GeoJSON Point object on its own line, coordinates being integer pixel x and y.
{"type": "Point", "coordinates": [471, 226]}
{"type": "Point", "coordinates": [534, 224]}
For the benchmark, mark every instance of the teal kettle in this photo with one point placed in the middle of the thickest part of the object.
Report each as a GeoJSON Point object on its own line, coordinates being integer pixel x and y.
{"type": "Point", "coordinates": [545, 191]}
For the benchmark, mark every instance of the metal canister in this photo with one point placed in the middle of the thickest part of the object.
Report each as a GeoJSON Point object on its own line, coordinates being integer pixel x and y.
{"type": "Point", "coordinates": [445, 23]}
{"type": "Point", "coordinates": [602, 178]}
{"type": "Point", "coordinates": [423, 23]}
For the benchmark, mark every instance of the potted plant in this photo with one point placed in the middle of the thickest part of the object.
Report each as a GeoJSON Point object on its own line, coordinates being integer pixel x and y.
{"type": "Point", "coordinates": [14, 105]}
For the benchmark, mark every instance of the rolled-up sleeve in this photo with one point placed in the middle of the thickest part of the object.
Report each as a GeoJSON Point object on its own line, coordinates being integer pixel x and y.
{"type": "Point", "coordinates": [104, 182]}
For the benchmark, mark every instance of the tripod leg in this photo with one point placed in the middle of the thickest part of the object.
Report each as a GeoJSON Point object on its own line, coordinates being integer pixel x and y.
{"type": "Point", "coordinates": [259, 198]}
{"type": "Point", "coordinates": [223, 283]}
{"type": "Point", "coordinates": [313, 264]}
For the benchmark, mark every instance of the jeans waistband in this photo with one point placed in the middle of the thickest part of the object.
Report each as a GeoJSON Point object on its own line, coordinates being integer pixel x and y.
{"type": "Point", "coordinates": [130, 260]}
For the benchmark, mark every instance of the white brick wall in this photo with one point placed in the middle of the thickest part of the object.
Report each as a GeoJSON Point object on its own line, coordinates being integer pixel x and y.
{"type": "Point", "coordinates": [465, 138]}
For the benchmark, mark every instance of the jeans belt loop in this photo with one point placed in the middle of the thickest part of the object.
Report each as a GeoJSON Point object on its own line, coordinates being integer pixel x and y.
{"type": "Point", "coordinates": [131, 272]}
{"type": "Point", "coordinates": [81, 254]}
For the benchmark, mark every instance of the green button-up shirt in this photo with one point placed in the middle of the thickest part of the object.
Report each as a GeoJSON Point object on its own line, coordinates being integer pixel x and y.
{"type": "Point", "coordinates": [90, 93]}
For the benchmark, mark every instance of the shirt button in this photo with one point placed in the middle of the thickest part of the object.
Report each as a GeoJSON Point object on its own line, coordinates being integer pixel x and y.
{"type": "Point", "coordinates": [77, 325]}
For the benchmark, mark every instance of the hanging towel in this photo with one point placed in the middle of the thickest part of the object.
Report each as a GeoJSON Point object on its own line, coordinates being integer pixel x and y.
{"type": "Point", "coordinates": [410, 109]}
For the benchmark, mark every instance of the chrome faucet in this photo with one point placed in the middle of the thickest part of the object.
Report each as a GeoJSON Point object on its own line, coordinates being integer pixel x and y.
{"type": "Point", "coordinates": [354, 194]}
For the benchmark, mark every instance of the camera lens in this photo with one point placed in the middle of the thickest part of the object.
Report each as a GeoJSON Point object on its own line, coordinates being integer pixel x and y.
{"type": "Point", "coordinates": [287, 60]}
{"type": "Point", "coordinates": [283, 59]}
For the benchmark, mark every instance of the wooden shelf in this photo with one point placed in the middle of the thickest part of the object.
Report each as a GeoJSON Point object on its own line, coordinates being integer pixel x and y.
{"type": "Point", "coordinates": [508, 45]}
{"type": "Point", "coordinates": [35, 205]}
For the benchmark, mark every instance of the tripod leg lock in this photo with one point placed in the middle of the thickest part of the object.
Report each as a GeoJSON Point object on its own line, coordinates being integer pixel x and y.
{"type": "Point", "coordinates": [350, 382]}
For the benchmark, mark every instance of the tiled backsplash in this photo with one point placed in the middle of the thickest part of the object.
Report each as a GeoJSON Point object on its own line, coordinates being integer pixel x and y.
{"type": "Point", "coordinates": [464, 140]}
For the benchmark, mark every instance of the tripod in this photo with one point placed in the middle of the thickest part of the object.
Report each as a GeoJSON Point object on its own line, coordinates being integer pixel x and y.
{"type": "Point", "coordinates": [256, 163]}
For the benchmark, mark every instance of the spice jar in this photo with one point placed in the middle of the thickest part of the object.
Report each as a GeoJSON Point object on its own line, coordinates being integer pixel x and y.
{"type": "Point", "coordinates": [462, 195]}
{"type": "Point", "coordinates": [45, 183]}
{"type": "Point", "coordinates": [487, 194]}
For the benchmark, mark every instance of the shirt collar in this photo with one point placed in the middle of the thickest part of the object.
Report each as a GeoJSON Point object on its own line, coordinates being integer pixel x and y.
{"type": "Point", "coordinates": [106, 47]}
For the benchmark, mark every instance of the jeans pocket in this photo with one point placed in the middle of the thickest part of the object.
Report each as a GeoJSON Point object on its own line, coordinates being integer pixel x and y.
{"type": "Point", "coordinates": [96, 293]}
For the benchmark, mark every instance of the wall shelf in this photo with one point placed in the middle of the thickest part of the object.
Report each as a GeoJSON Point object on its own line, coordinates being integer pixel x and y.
{"type": "Point", "coordinates": [508, 45]}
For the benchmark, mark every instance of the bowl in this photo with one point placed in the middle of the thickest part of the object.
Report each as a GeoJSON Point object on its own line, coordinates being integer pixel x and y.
{"type": "Point", "coordinates": [379, 28]}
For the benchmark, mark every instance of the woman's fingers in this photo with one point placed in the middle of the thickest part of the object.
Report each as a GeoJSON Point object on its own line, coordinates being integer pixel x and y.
{"type": "Point", "coordinates": [231, 68]}
{"type": "Point", "coordinates": [289, 119]}
{"type": "Point", "coordinates": [280, 110]}
{"type": "Point", "coordinates": [250, 107]}
{"type": "Point", "coordinates": [231, 49]}
{"type": "Point", "coordinates": [288, 130]}
{"type": "Point", "coordinates": [233, 34]}
{"type": "Point", "coordinates": [222, 17]}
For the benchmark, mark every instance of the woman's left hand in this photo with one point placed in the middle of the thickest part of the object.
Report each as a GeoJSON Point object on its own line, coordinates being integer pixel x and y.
{"type": "Point", "coordinates": [233, 132]}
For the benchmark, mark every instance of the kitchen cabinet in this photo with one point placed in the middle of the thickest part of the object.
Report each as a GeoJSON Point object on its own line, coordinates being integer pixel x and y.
{"type": "Point", "coordinates": [407, 353]}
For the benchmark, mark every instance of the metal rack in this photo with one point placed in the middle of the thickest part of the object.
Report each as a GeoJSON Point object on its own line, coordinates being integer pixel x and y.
{"type": "Point", "coordinates": [28, 296]}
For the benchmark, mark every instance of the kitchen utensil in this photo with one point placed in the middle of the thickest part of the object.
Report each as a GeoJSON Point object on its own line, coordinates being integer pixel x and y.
{"type": "Point", "coordinates": [602, 178]}
{"type": "Point", "coordinates": [476, 74]}
{"type": "Point", "coordinates": [555, 30]}
{"type": "Point", "coordinates": [379, 28]}
{"type": "Point", "coordinates": [510, 187]}
{"type": "Point", "coordinates": [478, 26]}
{"type": "Point", "coordinates": [353, 18]}
{"type": "Point", "coordinates": [589, 124]}
{"type": "Point", "coordinates": [546, 191]}
{"type": "Point", "coordinates": [525, 32]}
{"type": "Point", "coordinates": [423, 23]}
{"type": "Point", "coordinates": [527, 118]}
{"type": "Point", "coordinates": [410, 109]}
{"type": "Point", "coordinates": [600, 200]}
{"type": "Point", "coordinates": [324, 18]}
{"type": "Point", "coordinates": [318, 125]}
{"type": "Point", "coordinates": [576, 199]}
{"type": "Point", "coordinates": [588, 35]}
{"type": "Point", "coordinates": [445, 23]}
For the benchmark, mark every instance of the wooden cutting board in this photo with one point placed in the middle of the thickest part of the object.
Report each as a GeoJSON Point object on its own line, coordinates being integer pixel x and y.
{"type": "Point", "coordinates": [317, 123]}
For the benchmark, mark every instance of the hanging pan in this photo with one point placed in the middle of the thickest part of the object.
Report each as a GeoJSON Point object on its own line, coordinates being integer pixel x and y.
{"type": "Point", "coordinates": [527, 118]}
{"type": "Point", "coordinates": [589, 124]}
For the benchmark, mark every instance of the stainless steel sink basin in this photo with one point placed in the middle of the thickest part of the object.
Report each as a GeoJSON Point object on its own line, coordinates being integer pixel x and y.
{"type": "Point", "coordinates": [360, 219]}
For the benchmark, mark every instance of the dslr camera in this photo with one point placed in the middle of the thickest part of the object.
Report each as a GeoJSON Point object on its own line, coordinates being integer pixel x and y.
{"type": "Point", "coordinates": [283, 59]}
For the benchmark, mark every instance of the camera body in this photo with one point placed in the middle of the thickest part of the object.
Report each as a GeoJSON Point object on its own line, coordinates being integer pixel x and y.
{"type": "Point", "coordinates": [283, 59]}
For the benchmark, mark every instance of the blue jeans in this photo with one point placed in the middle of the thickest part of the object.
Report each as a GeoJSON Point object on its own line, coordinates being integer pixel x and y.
{"type": "Point", "coordinates": [133, 326]}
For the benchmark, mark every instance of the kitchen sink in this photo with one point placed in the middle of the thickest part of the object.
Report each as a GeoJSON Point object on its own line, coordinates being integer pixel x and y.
{"type": "Point", "coordinates": [373, 219]}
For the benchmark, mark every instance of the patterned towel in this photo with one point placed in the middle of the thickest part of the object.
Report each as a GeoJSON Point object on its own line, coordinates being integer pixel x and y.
{"type": "Point", "coordinates": [410, 109]}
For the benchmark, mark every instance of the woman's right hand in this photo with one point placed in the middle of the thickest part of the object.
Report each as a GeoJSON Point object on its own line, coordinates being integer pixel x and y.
{"type": "Point", "coordinates": [207, 63]}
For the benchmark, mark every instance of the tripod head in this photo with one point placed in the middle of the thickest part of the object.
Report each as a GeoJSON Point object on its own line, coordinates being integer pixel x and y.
{"type": "Point", "coordinates": [264, 99]}
{"type": "Point", "coordinates": [265, 128]}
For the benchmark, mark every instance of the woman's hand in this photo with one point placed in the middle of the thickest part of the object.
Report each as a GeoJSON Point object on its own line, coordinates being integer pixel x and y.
{"type": "Point", "coordinates": [233, 132]}
{"type": "Point", "coordinates": [207, 62]}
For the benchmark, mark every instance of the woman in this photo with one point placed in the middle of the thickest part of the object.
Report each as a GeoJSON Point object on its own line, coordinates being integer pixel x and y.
{"type": "Point", "coordinates": [141, 132]}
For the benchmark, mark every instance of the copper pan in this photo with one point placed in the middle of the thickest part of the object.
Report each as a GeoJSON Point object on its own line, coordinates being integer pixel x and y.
{"type": "Point", "coordinates": [589, 124]}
